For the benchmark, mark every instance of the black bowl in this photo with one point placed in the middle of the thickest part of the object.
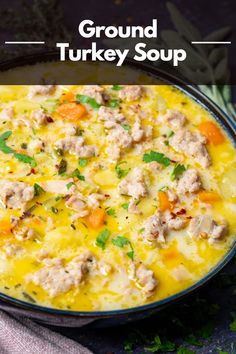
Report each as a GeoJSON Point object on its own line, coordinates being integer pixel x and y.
{"type": "Point", "coordinates": [68, 318]}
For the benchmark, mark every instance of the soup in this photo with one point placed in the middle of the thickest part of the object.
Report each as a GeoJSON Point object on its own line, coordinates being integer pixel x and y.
{"type": "Point", "coordinates": [111, 196]}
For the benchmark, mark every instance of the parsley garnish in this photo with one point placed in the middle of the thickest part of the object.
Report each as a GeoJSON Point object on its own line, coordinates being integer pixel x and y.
{"type": "Point", "coordinates": [116, 88]}
{"type": "Point", "coordinates": [62, 167]}
{"type": "Point", "coordinates": [111, 212]}
{"type": "Point", "coordinates": [125, 206]}
{"type": "Point", "coordinates": [26, 159]}
{"type": "Point", "coordinates": [177, 171]}
{"type": "Point", "coordinates": [114, 103]}
{"type": "Point", "coordinates": [121, 241]}
{"type": "Point", "coordinates": [54, 210]}
{"type": "Point", "coordinates": [83, 162]}
{"type": "Point", "coordinates": [120, 171]}
{"type": "Point", "coordinates": [156, 156]}
{"type": "Point", "coordinates": [102, 238]}
{"type": "Point", "coordinates": [38, 190]}
{"type": "Point", "coordinates": [126, 127]}
{"type": "Point", "coordinates": [69, 185]}
{"type": "Point", "coordinates": [8, 150]}
{"type": "Point", "coordinates": [159, 345]}
{"type": "Point", "coordinates": [89, 100]}
{"type": "Point", "coordinates": [76, 173]}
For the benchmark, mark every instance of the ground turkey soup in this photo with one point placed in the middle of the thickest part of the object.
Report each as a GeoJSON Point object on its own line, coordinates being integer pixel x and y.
{"type": "Point", "coordinates": [110, 196]}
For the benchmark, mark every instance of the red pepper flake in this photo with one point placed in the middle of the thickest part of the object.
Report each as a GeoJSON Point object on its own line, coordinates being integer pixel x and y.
{"type": "Point", "coordinates": [32, 171]}
{"type": "Point", "coordinates": [49, 119]}
{"type": "Point", "coordinates": [181, 211]}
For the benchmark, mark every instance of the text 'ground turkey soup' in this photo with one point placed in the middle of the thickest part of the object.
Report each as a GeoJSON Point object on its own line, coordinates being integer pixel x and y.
{"type": "Point", "coordinates": [111, 196]}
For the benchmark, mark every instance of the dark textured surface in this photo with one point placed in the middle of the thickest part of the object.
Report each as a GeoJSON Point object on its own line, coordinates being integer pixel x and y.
{"type": "Point", "coordinates": [193, 313]}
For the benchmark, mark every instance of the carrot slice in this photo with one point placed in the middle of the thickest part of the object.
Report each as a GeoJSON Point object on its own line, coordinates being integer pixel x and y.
{"type": "Point", "coordinates": [67, 97]}
{"type": "Point", "coordinates": [212, 132]}
{"type": "Point", "coordinates": [5, 227]}
{"type": "Point", "coordinates": [208, 196]}
{"type": "Point", "coordinates": [164, 203]}
{"type": "Point", "coordinates": [96, 218]}
{"type": "Point", "coordinates": [72, 111]}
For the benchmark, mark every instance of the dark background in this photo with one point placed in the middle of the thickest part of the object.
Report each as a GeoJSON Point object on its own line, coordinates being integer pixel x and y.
{"type": "Point", "coordinates": [202, 318]}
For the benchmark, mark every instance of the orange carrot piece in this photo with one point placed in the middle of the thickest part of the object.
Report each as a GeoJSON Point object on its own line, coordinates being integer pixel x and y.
{"type": "Point", "coordinates": [67, 97]}
{"type": "Point", "coordinates": [212, 132]}
{"type": "Point", "coordinates": [5, 227]}
{"type": "Point", "coordinates": [164, 203]}
{"type": "Point", "coordinates": [72, 111]}
{"type": "Point", "coordinates": [96, 218]}
{"type": "Point", "coordinates": [170, 255]}
{"type": "Point", "coordinates": [208, 196]}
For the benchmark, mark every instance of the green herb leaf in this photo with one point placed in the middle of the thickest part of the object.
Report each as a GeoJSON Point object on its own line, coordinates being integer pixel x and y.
{"type": "Point", "coordinates": [116, 87]}
{"type": "Point", "coordinates": [83, 162]}
{"type": "Point", "coordinates": [89, 100]}
{"type": "Point", "coordinates": [120, 241]}
{"type": "Point", "coordinates": [125, 206]}
{"type": "Point", "coordinates": [6, 135]}
{"type": "Point", "coordinates": [26, 159]}
{"type": "Point", "coordinates": [102, 238]}
{"type": "Point", "coordinates": [76, 173]}
{"type": "Point", "coordinates": [69, 185]}
{"type": "Point", "coordinates": [114, 103]}
{"type": "Point", "coordinates": [177, 171]}
{"type": "Point", "coordinates": [111, 212]}
{"type": "Point", "coordinates": [121, 172]}
{"type": "Point", "coordinates": [3, 147]}
{"type": "Point", "coordinates": [54, 210]}
{"type": "Point", "coordinates": [126, 127]}
{"type": "Point", "coordinates": [38, 190]}
{"type": "Point", "coordinates": [159, 345]}
{"type": "Point", "coordinates": [62, 167]}
{"type": "Point", "coordinates": [232, 325]}
{"type": "Point", "coordinates": [184, 350]}
{"type": "Point", "coordinates": [156, 156]}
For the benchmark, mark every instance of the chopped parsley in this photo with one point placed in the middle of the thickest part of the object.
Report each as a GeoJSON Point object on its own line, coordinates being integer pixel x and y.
{"type": "Point", "coordinates": [83, 162]}
{"type": "Point", "coordinates": [122, 241]}
{"type": "Point", "coordinates": [170, 134]}
{"type": "Point", "coordinates": [76, 173]}
{"type": "Point", "coordinates": [232, 325]}
{"type": "Point", "coordinates": [177, 171]}
{"type": "Point", "coordinates": [114, 103]}
{"type": "Point", "coordinates": [89, 100]}
{"type": "Point", "coordinates": [102, 238]}
{"type": "Point", "coordinates": [111, 212]}
{"type": "Point", "coordinates": [62, 167]}
{"type": "Point", "coordinates": [69, 185]}
{"type": "Point", "coordinates": [158, 345]}
{"type": "Point", "coordinates": [26, 159]}
{"type": "Point", "coordinates": [54, 210]}
{"type": "Point", "coordinates": [8, 150]}
{"type": "Point", "coordinates": [23, 146]}
{"type": "Point", "coordinates": [156, 156]}
{"type": "Point", "coordinates": [126, 127]}
{"type": "Point", "coordinates": [116, 88]}
{"type": "Point", "coordinates": [120, 171]}
{"type": "Point", "coordinates": [38, 190]}
{"type": "Point", "coordinates": [125, 206]}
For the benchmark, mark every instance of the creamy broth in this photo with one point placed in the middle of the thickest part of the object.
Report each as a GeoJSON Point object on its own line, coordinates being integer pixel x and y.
{"type": "Point", "coordinates": [111, 196]}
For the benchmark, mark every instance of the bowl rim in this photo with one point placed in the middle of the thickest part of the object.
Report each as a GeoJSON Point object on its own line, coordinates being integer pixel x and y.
{"type": "Point", "coordinates": [222, 118]}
